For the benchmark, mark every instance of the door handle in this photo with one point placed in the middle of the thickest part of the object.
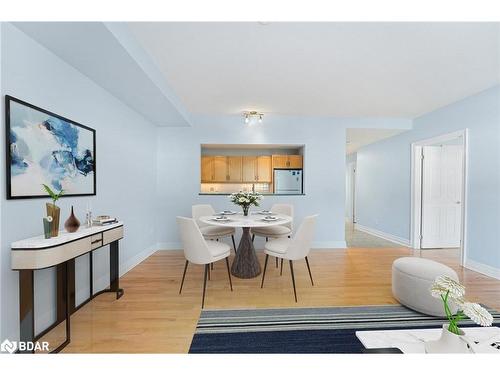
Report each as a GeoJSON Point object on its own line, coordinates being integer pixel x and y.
{"type": "Point", "coordinates": [458, 202]}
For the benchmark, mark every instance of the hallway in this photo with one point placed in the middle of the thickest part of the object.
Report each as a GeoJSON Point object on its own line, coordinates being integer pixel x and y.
{"type": "Point", "coordinates": [357, 238]}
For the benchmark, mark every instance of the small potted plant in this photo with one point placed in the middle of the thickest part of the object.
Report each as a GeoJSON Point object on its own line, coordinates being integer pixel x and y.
{"type": "Point", "coordinates": [52, 210]}
{"type": "Point", "coordinates": [245, 200]}
{"type": "Point", "coordinates": [452, 294]}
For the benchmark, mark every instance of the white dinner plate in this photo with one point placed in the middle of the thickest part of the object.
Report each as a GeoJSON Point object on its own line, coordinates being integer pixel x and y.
{"type": "Point", "coordinates": [274, 218]}
{"type": "Point", "coordinates": [221, 219]}
{"type": "Point", "coordinates": [264, 212]}
{"type": "Point", "coordinates": [227, 213]}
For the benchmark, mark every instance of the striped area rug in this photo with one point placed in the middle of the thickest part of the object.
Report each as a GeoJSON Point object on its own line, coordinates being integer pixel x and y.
{"type": "Point", "coordinates": [303, 330]}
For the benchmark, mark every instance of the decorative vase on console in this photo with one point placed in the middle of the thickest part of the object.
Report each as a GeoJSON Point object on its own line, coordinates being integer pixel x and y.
{"type": "Point", "coordinates": [245, 200]}
{"type": "Point", "coordinates": [452, 338]}
{"type": "Point", "coordinates": [53, 210]}
{"type": "Point", "coordinates": [72, 224]}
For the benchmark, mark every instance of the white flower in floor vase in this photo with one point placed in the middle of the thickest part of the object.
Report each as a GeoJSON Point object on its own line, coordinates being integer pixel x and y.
{"type": "Point", "coordinates": [452, 338]}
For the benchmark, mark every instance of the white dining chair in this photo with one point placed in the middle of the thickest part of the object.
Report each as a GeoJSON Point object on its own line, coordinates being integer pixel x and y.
{"type": "Point", "coordinates": [198, 250]}
{"type": "Point", "coordinates": [292, 249]}
{"type": "Point", "coordinates": [276, 231]}
{"type": "Point", "coordinates": [211, 232]}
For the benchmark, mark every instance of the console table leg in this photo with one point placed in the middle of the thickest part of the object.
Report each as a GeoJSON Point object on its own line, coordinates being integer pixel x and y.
{"type": "Point", "coordinates": [61, 292]}
{"type": "Point", "coordinates": [114, 272]}
{"type": "Point", "coordinates": [26, 307]}
{"type": "Point", "coordinates": [71, 285]}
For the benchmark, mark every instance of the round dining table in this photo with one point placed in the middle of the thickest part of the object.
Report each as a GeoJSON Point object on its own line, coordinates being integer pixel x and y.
{"type": "Point", "coordinates": [245, 264]}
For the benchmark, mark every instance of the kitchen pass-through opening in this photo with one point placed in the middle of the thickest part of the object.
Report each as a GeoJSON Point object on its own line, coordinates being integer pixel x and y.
{"type": "Point", "coordinates": [269, 169]}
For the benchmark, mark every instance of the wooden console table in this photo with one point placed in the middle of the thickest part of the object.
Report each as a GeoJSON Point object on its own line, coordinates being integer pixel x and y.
{"type": "Point", "coordinates": [38, 253]}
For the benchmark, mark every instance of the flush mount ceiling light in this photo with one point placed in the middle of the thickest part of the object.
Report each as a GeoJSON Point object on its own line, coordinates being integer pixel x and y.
{"type": "Point", "coordinates": [252, 117]}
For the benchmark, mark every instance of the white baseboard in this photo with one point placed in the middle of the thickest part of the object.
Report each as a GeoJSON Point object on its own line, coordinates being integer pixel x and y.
{"type": "Point", "coordinates": [482, 268]}
{"type": "Point", "coordinates": [383, 235]}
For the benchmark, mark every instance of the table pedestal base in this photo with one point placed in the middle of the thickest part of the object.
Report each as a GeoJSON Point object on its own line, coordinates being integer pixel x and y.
{"type": "Point", "coordinates": [246, 264]}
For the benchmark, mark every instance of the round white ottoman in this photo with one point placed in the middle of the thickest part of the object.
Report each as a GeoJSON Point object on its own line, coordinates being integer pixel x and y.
{"type": "Point", "coordinates": [412, 279]}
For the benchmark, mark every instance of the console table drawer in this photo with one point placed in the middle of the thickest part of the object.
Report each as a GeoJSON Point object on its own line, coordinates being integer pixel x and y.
{"type": "Point", "coordinates": [96, 241]}
{"type": "Point", "coordinates": [112, 235]}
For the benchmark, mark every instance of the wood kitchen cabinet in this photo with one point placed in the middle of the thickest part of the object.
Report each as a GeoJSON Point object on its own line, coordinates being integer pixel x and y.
{"type": "Point", "coordinates": [207, 169]}
{"type": "Point", "coordinates": [295, 161]}
{"type": "Point", "coordinates": [257, 168]}
{"type": "Point", "coordinates": [234, 168]}
{"type": "Point", "coordinates": [249, 168]}
{"type": "Point", "coordinates": [220, 169]}
{"type": "Point", "coordinates": [287, 161]}
{"type": "Point", "coordinates": [264, 169]}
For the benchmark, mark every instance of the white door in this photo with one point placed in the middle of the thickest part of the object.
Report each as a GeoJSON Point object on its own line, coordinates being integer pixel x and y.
{"type": "Point", "coordinates": [442, 178]}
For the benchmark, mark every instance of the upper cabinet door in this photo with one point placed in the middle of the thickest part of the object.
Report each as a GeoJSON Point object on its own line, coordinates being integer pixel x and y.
{"type": "Point", "coordinates": [264, 169]}
{"type": "Point", "coordinates": [234, 168]}
{"type": "Point", "coordinates": [295, 161]}
{"type": "Point", "coordinates": [280, 161]}
{"type": "Point", "coordinates": [250, 172]}
{"type": "Point", "coordinates": [207, 169]}
{"type": "Point", "coordinates": [220, 169]}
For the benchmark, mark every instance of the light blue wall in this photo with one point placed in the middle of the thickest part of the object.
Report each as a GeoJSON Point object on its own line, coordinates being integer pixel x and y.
{"type": "Point", "coordinates": [324, 167]}
{"type": "Point", "coordinates": [179, 169]}
{"type": "Point", "coordinates": [383, 179]}
{"type": "Point", "coordinates": [126, 171]}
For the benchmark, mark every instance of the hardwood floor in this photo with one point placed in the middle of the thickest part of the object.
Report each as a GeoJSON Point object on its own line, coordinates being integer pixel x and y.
{"type": "Point", "coordinates": [153, 318]}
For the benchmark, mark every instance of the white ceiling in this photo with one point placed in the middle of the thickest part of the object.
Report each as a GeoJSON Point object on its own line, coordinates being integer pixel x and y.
{"type": "Point", "coordinates": [357, 138]}
{"type": "Point", "coordinates": [323, 69]}
{"type": "Point", "coordinates": [93, 49]}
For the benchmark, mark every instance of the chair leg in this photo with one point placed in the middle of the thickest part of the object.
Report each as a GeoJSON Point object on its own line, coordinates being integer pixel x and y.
{"type": "Point", "coordinates": [253, 237]}
{"type": "Point", "coordinates": [234, 243]}
{"type": "Point", "coordinates": [281, 270]}
{"type": "Point", "coordinates": [264, 273]}
{"type": "Point", "coordinates": [267, 239]}
{"type": "Point", "coordinates": [211, 266]}
{"type": "Point", "coordinates": [207, 270]}
{"type": "Point", "coordinates": [276, 262]}
{"type": "Point", "coordinates": [309, 269]}
{"type": "Point", "coordinates": [208, 267]}
{"type": "Point", "coordinates": [293, 281]}
{"type": "Point", "coordinates": [183, 276]}
{"type": "Point", "coordinates": [229, 274]}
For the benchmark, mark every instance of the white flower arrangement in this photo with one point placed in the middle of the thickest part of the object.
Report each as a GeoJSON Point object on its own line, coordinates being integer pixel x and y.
{"type": "Point", "coordinates": [245, 199]}
{"type": "Point", "coordinates": [451, 291]}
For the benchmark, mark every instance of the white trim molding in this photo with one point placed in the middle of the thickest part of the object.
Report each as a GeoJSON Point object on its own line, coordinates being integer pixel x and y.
{"type": "Point", "coordinates": [416, 188]}
{"type": "Point", "coordinates": [482, 268]}
{"type": "Point", "coordinates": [383, 235]}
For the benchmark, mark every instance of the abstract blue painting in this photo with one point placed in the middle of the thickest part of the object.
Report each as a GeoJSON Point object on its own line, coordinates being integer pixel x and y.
{"type": "Point", "coordinates": [46, 148]}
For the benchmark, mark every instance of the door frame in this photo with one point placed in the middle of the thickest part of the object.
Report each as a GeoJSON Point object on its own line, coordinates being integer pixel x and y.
{"type": "Point", "coordinates": [351, 174]}
{"type": "Point", "coordinates": [416, 189]}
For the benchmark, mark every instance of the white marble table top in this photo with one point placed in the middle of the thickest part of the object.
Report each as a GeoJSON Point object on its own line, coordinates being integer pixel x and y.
{"type": "Point", "coordinates": [40, 242]}
{"type": "Point", "coordinates": [253, 220]}
{"type": "Point", "coordinates": [412, 340]}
